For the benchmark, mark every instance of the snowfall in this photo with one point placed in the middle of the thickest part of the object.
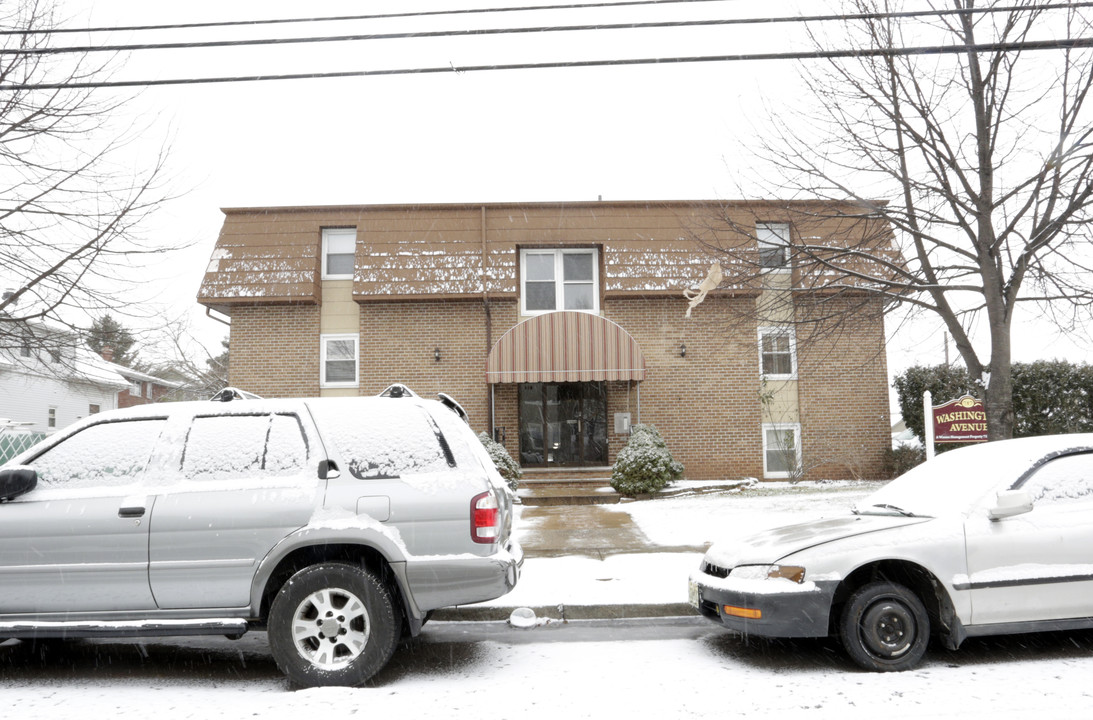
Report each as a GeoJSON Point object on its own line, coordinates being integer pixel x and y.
{"type": "Point", "coordinates": [567, 670]}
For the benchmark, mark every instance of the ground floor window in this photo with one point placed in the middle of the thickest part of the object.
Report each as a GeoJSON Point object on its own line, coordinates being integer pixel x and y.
{"type": "Point", "coordinates": [338, 358]}
{"type": "Point", "coordinates": [563, 424]}
{"type": "Point", "coordinates": [781, 450]}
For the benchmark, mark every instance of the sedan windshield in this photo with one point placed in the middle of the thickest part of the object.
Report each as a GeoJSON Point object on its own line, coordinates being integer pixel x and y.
{"type": "Point", "coordinates": [954, 481]}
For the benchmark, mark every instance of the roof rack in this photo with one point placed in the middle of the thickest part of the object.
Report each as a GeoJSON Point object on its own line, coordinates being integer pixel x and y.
{"type": "Point", "coordinates": [397, 390]}
{"type": "Point", "coordinates": [229, 393]}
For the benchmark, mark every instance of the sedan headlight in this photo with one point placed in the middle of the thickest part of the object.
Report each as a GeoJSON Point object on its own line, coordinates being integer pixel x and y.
{"type": "Point", "coordinates": [768, 572]}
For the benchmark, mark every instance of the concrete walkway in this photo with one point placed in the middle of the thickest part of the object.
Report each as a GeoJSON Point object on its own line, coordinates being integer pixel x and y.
{"type": "Point", "coordinates": [590, 530]}
{"type": "Point", "coordinates": [574, 522]}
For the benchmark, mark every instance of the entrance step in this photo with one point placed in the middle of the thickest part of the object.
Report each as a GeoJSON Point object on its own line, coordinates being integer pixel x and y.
{"type": "Point", "coordinates": [567, 496]}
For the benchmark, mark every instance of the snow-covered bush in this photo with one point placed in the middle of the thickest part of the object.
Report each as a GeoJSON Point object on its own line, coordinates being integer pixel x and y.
{"type": "Point", "coordinates": [501, 458]}
{"type": "Point", "coordinates": [645, 464]}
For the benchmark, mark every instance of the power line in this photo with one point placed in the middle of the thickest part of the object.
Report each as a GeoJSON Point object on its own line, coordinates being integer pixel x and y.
{"type": "Point", "coordinates": [1032, 45]}
{"type": "Point", "coordinates": [343, 18]}
{"type": "Point", "coordinates": [482, 32]}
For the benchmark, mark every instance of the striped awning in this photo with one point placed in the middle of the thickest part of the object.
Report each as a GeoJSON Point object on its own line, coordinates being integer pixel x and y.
{"type": "Point", "coordinates": [565, 347]}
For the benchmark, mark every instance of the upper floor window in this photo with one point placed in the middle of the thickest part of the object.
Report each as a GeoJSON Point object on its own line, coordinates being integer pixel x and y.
{"type": "Point", "coordinates": [24, 351]}
{"type": "Point", "coordinates": [777, 353]}
{"type": "Point", "coordinates": [136, 389]}
{"type": "Point", "coordinates": [773, 239]}
{"type": "Point", "coordinates": [338, 357]}
{"type": "Point", "coordinates": [339, 251]}
{"type": "Point", "coordinates": [559, 279]}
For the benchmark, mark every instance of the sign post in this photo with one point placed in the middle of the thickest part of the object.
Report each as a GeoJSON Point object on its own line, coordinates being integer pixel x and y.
{"type": "Point", "coordinates": [928, 422]}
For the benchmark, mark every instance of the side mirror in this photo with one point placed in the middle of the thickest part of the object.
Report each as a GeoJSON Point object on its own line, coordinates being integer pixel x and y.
{"type": "Point", "coordinates": [328, 470]}
{"type": "Point", "coordinates": [1010, 503]}
{"type": "Point", "coordinates": [15, 481]}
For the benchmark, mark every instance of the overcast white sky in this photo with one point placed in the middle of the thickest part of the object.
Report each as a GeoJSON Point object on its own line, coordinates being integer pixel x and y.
{"type": "Point", "coordinates": [623, 133]}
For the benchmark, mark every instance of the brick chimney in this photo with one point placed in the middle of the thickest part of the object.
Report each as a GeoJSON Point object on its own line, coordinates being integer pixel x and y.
{"type": "Point", "coordinates": [108, 354]}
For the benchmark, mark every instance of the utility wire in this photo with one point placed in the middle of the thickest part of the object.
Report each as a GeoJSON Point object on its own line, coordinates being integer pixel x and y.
{"type": "Point", "coordinates": [1032, 45]}
{"type": "Point", "coordinates": [342, 18]}
{"type": "Point", "coordinates": [482, 32]}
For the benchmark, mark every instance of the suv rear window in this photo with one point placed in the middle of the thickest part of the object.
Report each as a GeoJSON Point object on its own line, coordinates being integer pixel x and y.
{"type": "Point", "coordinates": [402, 440]}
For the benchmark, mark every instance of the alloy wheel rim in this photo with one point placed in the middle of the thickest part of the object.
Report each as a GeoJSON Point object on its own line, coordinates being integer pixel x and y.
{"type": "Point", "coordinates": [330, 628]}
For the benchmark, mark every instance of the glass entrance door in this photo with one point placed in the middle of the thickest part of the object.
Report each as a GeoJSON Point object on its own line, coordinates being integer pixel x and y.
{"type": "Point", "coordinates": [563, 424]}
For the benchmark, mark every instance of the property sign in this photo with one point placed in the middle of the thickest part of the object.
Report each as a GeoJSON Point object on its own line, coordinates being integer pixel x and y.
{"type": "Point", "coordinates": [960, 421]}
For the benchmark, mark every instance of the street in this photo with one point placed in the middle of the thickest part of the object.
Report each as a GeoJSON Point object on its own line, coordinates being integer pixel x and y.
{"type": "Point", "coordinates": [655, 668]}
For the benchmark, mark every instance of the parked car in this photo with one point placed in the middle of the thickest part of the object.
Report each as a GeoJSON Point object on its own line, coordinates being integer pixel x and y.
{"type": "Point", "coordinates": [991, 539]}
{"type": "Point", "coordinates": [335, 524]}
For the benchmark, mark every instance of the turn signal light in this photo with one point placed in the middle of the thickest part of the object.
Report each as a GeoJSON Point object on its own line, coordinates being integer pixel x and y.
{"type": "Point", "coordinates": [747, 613]}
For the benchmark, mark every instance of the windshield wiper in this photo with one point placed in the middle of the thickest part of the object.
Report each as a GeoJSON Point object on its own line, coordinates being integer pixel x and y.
{"type": "Point", "coordinates": [894, 508]}
{"type": "Point", "coordinates": [886, 506]}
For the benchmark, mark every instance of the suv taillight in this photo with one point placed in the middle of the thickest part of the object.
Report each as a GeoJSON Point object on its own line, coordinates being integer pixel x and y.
{"type": "Point", "coordinates": [485, 518]}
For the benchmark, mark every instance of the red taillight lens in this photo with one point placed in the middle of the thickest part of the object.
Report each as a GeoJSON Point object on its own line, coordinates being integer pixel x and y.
{"type": "Point", "coordinates": [485, 518]}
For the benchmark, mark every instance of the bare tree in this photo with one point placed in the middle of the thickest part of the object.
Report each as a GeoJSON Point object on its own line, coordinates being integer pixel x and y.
{"type": "Point", "coordinates": [70, 203]}
{"type": "Point", "coordinates": [982, 158]}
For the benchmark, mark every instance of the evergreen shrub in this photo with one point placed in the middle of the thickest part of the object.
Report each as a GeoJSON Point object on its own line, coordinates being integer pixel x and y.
{"type": "Point", "coordinates": [644, 465]}
{"type": "Point", "coordinates": [501, 458]}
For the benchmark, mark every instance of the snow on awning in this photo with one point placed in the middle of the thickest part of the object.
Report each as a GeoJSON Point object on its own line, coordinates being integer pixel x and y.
{"type": "Point", "coordinates": [565, 347]}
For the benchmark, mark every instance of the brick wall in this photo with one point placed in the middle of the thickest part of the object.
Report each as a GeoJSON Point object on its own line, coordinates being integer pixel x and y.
{"type": "Point", "coordinates": [843, 385]}
{"type": "Point", "coordinates": [706, 404]}
{"type": "Point", "coordinates": [275, 350]}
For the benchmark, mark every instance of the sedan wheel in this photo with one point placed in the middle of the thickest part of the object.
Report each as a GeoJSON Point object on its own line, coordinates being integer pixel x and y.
{"type": "Point", "coordinates": [332, 624]}
{"type": "Point", "coordinates": [884, 627]}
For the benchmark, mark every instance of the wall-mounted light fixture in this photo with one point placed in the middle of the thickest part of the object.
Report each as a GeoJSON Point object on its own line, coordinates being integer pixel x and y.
{"type": "Point", "coordinates": [436, 354]}
{"type": "Point", "coordinates": [683, 350]}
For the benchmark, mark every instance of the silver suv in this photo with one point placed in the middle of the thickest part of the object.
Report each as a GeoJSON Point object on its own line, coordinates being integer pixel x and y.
{"type": "Point", "coordinates": [335, 524]}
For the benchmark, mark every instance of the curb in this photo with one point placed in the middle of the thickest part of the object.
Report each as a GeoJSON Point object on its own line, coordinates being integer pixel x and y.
{"type": "Point", "coordinates": [563, 612]}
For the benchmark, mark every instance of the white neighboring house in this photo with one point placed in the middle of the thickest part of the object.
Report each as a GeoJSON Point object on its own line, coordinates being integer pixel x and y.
{"type": "Point", "coordinates": [43, 390]}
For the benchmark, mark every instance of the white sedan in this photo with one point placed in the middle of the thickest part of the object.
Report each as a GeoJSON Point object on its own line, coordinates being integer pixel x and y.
{"type": "Point", "coordinates": [991, 539]}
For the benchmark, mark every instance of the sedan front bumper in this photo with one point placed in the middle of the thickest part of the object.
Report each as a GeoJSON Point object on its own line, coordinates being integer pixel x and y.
{"type": "Point", "coordinates": [760, 607]}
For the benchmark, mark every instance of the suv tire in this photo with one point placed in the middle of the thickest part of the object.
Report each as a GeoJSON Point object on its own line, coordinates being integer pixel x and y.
{"type": "Point", "coordinates": [332, 624]}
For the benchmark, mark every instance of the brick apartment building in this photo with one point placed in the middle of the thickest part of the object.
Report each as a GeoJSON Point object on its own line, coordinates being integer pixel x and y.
{"type": "Point", "coordinates": [558, 325]}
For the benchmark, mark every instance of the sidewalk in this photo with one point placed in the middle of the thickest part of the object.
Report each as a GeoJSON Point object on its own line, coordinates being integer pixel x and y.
{"type": "Point", "coordinates": [584, 559]}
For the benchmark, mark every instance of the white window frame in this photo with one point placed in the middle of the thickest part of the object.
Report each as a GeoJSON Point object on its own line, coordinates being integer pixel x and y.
{"type": "Point", "coordinates": [559, 279]}
{"type": "Point", "coordinates": [766, 331]}
{"type": "Point", "coordinates": [328, 235]}
{"type": "Point", "coordinates": [323, 340]}
{"type": "Point", "coordinates": [778, 475]}
{"type": "Point", "coordinates": [779, 230]}
{"type": "Point", "coordinates": [136, 389]}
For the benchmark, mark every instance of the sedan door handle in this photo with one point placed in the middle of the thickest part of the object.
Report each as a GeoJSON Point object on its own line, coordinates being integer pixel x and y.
{"type": "Point", "coordinates": [131, 512]}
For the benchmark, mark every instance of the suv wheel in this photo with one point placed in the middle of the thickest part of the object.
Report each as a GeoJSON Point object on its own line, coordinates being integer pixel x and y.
{"type": "Point", "coordinates": [332, 624]}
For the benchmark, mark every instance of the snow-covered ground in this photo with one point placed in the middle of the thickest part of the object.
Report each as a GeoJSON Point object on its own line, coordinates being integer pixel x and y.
{"type": "Point", "coordinates": [709, 673]}
{"type": "Point", "coordinates": [694, 520]}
